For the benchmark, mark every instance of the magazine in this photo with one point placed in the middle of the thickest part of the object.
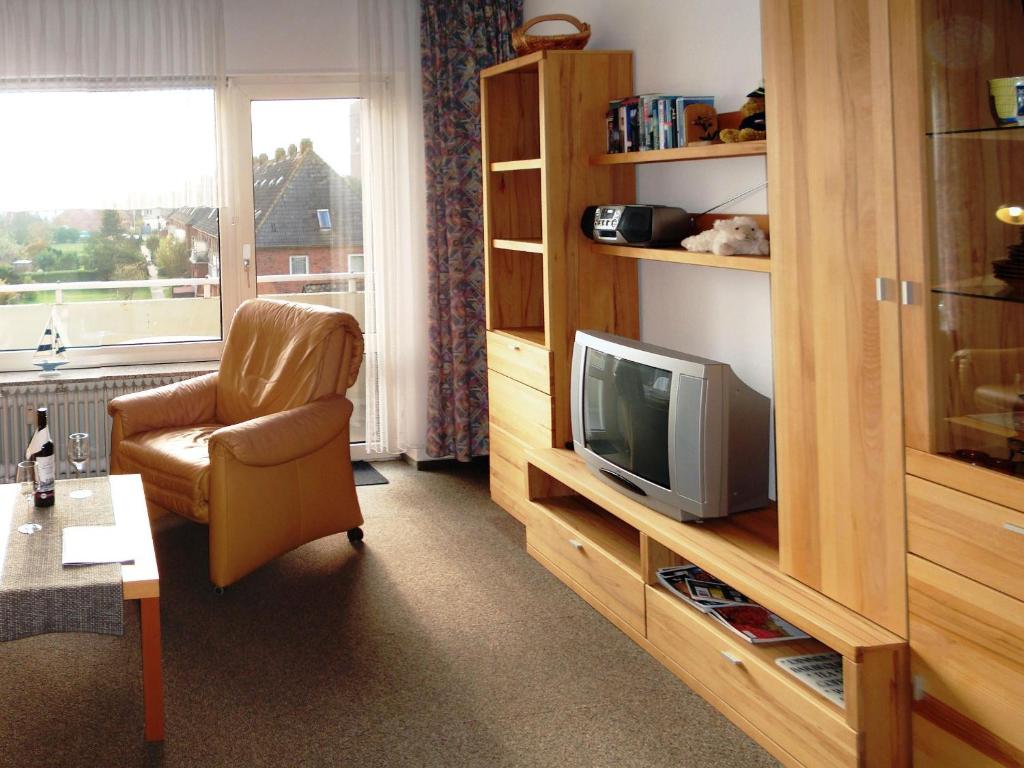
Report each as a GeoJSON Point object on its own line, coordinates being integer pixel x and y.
{"type": "Point", "coordinates": [756, 624]}
{"type": "Point", "coordinates": [715, 590]}
{"type": "Point", "coordinates": [821, 671]}
{"type": "Point", "coordinates": [674, 578]}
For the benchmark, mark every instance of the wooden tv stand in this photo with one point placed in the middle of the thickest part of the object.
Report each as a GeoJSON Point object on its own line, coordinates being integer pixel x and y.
{"type": "Point", "coordinates": [607, 548]}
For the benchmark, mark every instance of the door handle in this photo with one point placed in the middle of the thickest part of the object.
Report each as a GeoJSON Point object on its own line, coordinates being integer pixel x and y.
{"type": "Point", "coordinates": [908, 294]}
{"type": "Point", "coordinates": [1014, 528]}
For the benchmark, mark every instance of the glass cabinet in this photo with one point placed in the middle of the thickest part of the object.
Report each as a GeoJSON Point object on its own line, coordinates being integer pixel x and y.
{"type": "Point", "coordinates": [960, 165]}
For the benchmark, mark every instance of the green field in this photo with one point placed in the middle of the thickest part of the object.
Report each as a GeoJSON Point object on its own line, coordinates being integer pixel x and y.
{"type": "Point", "coordinates": [87, 294]}
{"type": "Point", "coordinates": [77, 248]}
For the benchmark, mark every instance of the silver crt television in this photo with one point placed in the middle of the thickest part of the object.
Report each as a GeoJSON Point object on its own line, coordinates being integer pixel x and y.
{"type": "Point", "coordinates": [676, 432]}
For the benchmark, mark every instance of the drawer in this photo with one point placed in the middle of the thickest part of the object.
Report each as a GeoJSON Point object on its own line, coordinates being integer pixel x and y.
{"type": "Point", "coordinates": [808, 727]}
{"type": "Point", "coordinates": [508, 472]}
{"type": "Point", "coordinates": [974, 537]}
{"type": "Point", "coordinates": [520, 360]}
{"type": "Point", "coordinates": [967, 659]}
{"type": "Point", "coordinates": [520, 411]}
{"type": "Point", "coordinates": [600, 553]}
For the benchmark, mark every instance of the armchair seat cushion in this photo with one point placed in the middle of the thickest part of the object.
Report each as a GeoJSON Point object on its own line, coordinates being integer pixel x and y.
{"type": "Point", "coordinates": [175, 466]}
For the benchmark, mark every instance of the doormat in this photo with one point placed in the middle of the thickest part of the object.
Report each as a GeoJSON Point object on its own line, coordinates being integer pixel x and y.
{"type": "Point", "coordinates": [367, 475]}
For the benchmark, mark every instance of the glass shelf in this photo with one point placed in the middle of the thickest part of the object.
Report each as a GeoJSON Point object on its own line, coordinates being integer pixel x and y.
{"type": "Point", "coordinates": [1005, 133]}
{"type": "Point", "coordinates": [983, 288]}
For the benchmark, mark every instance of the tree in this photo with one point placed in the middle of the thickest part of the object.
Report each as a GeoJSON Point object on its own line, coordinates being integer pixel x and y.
{"type": "Point", "coordinates": [105, 253]}
{"type": "Point", "coordinates": [152, 243]}
{"type": "Point", "coordinates": [10, 251]}
{"type": "Point", "coordinates": [65, 235]}
{"type": "Point", "coordinates": [110, 225]}
{"type": "Point", "coordinates": [172, 258]}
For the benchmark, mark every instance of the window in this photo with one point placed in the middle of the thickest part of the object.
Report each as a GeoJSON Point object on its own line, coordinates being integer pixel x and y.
{"type": "Point", "coordinates": [323, 217]}
{"type": "Point", "coordinates": [117, 231]}
{"type": "Point", "coordinates": [298, 265]}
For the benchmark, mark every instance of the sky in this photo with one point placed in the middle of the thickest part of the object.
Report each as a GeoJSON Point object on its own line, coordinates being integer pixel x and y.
{"type": "Point", "coordinates": [141, 149]}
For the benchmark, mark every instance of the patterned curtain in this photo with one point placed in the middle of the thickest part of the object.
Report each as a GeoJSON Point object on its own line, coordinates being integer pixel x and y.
{"type": "Point", "coordinates": [458, 38]}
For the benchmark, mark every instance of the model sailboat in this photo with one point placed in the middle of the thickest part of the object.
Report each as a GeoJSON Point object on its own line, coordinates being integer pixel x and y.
{"type": "Point", "coordinates": [51, 352]}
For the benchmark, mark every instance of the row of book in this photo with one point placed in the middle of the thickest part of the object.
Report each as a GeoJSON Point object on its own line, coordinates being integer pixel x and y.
{"type": "Point", "coordinates": [660, 121]}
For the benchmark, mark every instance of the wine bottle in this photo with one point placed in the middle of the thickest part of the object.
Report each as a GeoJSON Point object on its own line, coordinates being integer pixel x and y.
{"type": "Point", "coordinates": [40, 450]}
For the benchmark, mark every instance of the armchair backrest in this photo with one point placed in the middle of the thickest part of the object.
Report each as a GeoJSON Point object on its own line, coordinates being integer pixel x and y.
{"type": "Point", "coordinates": [280, 354]}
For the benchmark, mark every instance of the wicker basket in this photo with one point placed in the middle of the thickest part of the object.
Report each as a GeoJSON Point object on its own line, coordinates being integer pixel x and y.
{"type": "Point", "coordinates": [524, 43]}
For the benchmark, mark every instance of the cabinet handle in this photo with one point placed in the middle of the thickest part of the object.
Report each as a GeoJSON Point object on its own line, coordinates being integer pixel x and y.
{"type": "Point", "coordinates": [881, 289]}
{"type": "Point", "coordinates": [578, 545]}
{"type": "Point", "coordinates": [516, 347]}
{"type": "Point", "coordinates": [732, 658]}
{"type": "Point", "coordinates": [907, 293]}
{"type": "Point", "coordinates": [1014, 528]}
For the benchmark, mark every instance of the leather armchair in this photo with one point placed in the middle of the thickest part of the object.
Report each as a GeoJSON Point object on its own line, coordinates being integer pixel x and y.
{"type": "Point", "coordinates": [259, 450]}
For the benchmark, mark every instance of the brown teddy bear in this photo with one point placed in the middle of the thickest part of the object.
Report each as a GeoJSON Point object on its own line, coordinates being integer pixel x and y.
{"type": "Point", "coordinates": [752, 123]}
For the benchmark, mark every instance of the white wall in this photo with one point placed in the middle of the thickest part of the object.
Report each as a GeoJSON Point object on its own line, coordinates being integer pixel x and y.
{"type": "Point", "coordinates": [308, 36]}
{"type": "Point", "coordinates": [699, 48]}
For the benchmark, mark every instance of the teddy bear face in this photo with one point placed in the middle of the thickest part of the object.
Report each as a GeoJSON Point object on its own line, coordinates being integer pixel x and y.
{"type": "Point", "coordinates": [738, 228]}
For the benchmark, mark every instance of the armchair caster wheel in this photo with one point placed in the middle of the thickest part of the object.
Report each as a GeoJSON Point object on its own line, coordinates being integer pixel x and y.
{"type": "Point", "coordinates": [218, 590]}
{"type": "Point", "coordinates": [355, 535]}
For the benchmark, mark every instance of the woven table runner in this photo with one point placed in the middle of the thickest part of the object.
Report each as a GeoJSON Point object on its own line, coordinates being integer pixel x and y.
{"type": "Point", "coordinates": [37, 593]}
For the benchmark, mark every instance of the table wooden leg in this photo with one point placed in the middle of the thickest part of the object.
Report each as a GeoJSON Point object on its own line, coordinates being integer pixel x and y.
{"type": "Point", "coordinates": [152, 676]}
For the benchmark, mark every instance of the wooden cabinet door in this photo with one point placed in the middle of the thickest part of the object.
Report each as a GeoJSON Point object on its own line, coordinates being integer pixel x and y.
{"type": "Point", "coordinates": [836, 345]}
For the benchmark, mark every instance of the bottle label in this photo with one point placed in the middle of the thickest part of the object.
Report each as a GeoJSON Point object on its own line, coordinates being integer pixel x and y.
{"type": "Point", "coordinates": [45, 473]}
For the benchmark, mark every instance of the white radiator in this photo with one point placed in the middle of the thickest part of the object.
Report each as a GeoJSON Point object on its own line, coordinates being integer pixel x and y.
{"type": "Point", "coordinates": [74, 406]}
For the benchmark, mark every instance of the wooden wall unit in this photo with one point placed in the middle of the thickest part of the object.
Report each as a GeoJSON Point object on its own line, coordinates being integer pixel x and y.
{"type": "Point", "coordinates": [836, 346]}
{"type": "Point", "coordinates": [832, 557]}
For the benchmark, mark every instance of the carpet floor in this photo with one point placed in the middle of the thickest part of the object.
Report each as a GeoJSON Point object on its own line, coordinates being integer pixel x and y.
{"type": "Point", "coordinates": [439, 643]}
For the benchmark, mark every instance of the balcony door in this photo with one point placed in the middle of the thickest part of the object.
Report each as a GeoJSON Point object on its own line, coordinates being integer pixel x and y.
{"type": "Point", "coordinates": [300, 203]}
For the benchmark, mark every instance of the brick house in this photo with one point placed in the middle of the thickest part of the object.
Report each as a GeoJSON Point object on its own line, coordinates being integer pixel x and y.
{"type": "Point", "coordinates": [309, 221]}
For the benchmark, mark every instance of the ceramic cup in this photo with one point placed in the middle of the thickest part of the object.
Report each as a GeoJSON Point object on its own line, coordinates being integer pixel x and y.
{"type": "Point", "coordinates": [1008, 99]}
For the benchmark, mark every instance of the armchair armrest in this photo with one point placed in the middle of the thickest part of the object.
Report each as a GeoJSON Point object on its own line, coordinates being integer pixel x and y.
{"type": "Point", "coordinates": [193, 401]}
{"type": "Point", "coordinates": [285, 436]}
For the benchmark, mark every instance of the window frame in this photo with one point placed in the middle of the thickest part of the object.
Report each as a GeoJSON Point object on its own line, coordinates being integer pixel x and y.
{"type": "Point", "coordinates": [236, 213]}
{"type": "Point", "coordinates": [291, 256]}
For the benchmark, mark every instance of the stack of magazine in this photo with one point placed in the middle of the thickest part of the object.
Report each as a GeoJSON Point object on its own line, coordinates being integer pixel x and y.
{"type": "Point", "coordinates": [710, 595]}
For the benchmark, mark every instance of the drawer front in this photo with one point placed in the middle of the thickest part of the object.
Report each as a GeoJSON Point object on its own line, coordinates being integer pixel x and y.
{"type": "Point", "coordinates": [967, 658]}
{"type": "Point", "coordinates": [521, 411]}
{"type": "Point", "coordinates": [804, 725]}
{"type": "Point", "coordinates": [519, 360]}
{"type": "Point", "coordinates": [974, 537]}
{"type": "Point", "coordinates": [508, 472]}
{"type": "Point", "coordinates": [619, 589]}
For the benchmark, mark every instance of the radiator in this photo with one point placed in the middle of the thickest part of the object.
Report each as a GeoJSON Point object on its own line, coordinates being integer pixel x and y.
{"type": "Point", "coordinates": [74, 406]}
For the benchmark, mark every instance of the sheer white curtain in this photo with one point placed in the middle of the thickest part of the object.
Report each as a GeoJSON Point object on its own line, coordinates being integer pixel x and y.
{"type": "Point", "coordinates": [109, 103]}
{"type": "Point", "coordinates": [394, 205]}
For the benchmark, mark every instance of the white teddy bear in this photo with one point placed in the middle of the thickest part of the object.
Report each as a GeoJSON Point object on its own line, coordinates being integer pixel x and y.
{"type": "Point", "coordinates": [730, 237]}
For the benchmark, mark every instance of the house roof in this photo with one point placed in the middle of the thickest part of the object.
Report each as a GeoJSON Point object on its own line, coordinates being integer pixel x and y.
{"type": "Point", "coordinates": [287, 193]}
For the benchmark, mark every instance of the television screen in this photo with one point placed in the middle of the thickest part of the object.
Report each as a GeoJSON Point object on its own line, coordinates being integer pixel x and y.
{"type": "Point", "coordinates": [625, 414]}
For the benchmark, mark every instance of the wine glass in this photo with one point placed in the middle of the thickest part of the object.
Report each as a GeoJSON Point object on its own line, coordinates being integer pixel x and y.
{"type": "Point", "coordinates": [26, 480]}
{"type": "Point", "coordinates": [78, 455]}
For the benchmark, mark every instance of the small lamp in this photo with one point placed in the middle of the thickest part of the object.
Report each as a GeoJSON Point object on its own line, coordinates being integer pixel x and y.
{"type": "Point", "coordinates": [1013, 213]}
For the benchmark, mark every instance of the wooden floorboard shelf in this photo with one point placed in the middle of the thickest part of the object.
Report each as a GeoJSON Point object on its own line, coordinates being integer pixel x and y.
{"type": "Point", "coordinates": [533, 163]}
{"type": "Point", "coordinates": [526, 244]}
{"type": "Point", "coordinates": [699, 152]}
{"type": "Point", "coordinates": [681, 256]}
{"type": "Point", "coordinates": [741, 550]}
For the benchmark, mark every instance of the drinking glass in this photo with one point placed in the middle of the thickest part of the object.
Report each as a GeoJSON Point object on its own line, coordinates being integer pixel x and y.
{"type": "Point", "coordinates": [78, 455]}
{"type": "Point", "coordinates": [26, 480]}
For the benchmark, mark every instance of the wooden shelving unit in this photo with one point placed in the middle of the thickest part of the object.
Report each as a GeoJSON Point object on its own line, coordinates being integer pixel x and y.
{"type": "Point", "coordinates": [699, 152]}
{"type": "Point", "coordinates": [681, 256]}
